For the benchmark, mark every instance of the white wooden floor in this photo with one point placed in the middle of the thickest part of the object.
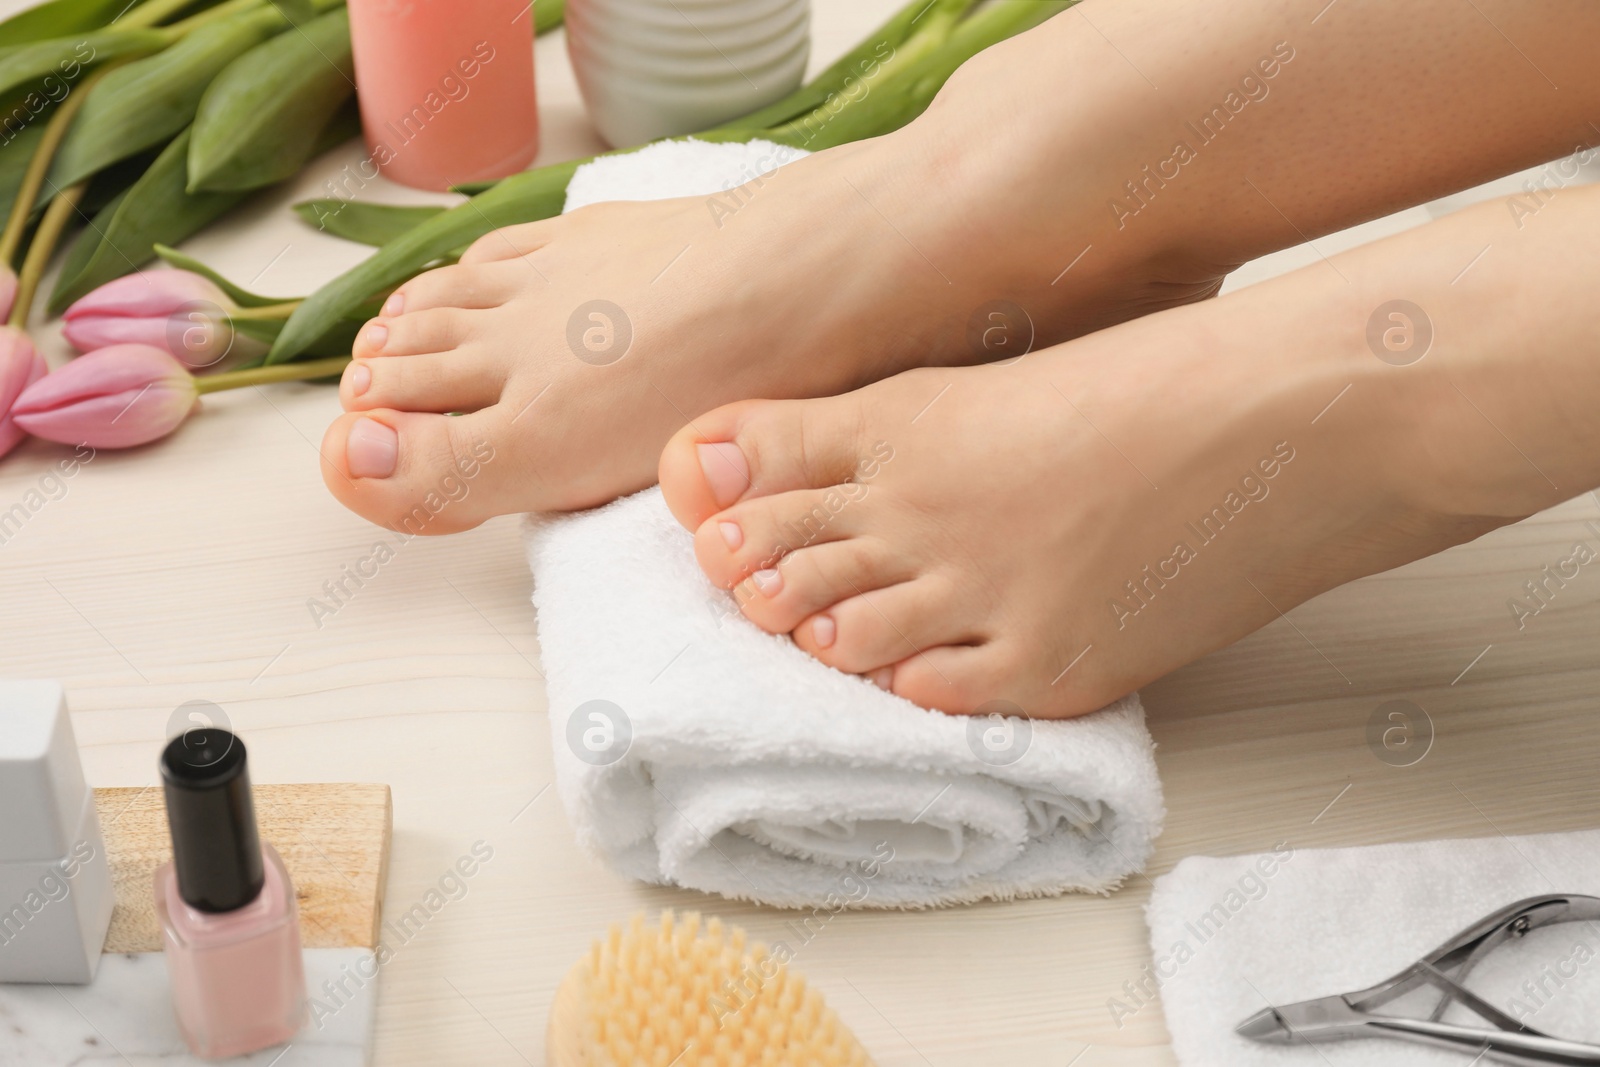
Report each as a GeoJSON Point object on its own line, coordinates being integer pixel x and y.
{"type": "Point", "coordinates": [182, 571]}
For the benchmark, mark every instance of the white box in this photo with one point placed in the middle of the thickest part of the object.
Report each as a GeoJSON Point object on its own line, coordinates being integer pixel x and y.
{"type": "Point", "coordinates": [55, 880]}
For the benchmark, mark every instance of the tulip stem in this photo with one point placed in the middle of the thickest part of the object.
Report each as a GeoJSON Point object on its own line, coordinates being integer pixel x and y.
{"type": "Point", "coordinates": [39, 166]}
{"type": "Point", "coordinates": [62, 208]}
{"type": "Point", "coordinates": [264, 313]}
{"type": "Point", "coordinates": [279, 372]}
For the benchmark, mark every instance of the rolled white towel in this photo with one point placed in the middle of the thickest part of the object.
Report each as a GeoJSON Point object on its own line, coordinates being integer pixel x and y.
{"type": "Point", "coordinates": [693, 749]}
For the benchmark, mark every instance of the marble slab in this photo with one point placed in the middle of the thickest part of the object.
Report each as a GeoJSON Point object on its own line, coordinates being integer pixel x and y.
{"type": "Point", "coordinates": [124, 1017]}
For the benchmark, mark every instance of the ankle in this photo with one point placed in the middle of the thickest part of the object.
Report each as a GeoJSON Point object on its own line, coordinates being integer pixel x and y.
{"type": "Point", "coordinates": [1027, 217]}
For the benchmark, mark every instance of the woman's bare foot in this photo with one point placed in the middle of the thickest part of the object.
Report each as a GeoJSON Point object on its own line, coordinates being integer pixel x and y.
{"type": "Point", "coordinates": [1050, 177]}
{"type": "Point", "coordinates": [1055, 533]}
{"type": "Point", "coordinates": [573, 348]}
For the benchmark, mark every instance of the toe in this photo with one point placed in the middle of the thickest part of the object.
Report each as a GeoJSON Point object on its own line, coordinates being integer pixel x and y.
{"type": "Point", "coordinates": [463, 380]}
{"type": "Point", "coordinates": [510, 242]}
{"type": "Point", "coordinates": [758, 532]}
{"type": "Point", "coordinates": [433, 330]}
{"type": "Point", "coordinates": [419, 473]}
{"type": "Point", "coordinates": [806, 582]}
{"type": "Point", "coordinates": [461, 286]}
{"type": "Point", "coordinates": [762, 447]}
{"type": "Point", "coordinates": [881, 627]}
{"type": "Point", "coordinates": [959, 679]}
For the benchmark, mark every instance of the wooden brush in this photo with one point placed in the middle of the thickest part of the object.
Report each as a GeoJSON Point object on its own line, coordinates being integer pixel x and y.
{"type": "Point", "coordinates": [687, 994]}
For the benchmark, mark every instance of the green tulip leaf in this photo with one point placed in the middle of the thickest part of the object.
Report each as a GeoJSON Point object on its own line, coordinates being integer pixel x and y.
{"type": "Point", "coordinates": [67, 57]}
{"type": "Point", "coordinates": [113, 180]}
{"type": "Point", "coordinates": [547, 14]}
{"type": "Point", "coordinates": [336, 342]}
{"type": "Point", "coordinates": [251, 126]}
{"type": "Point", "coordinates": [156, 208]}
{"type": "Point", "coordinates": [264, 330]}
{"type": "Point", "coordinates": [524, 197]}
{"type": "Point", "coordinates": [242, 297]}
{"type": "Point", "coordinates": [58, 18]}
{"type": "Point", "coordinates": [365, 223]}
{"type": "Point", "coordinates": [148, 101]}
{"type": "Point", "coordinates": [84, 248]}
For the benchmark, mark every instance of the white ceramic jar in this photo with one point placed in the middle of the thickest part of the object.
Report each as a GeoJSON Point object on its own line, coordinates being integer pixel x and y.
{"type": "Point", "coordinates": [660, 68]}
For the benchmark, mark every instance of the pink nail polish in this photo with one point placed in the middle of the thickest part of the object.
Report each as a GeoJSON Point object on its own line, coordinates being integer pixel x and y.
{"type": "Point", "coordinates": [359, 377]}
{"type": "Point", "coordinates": [726, 471]}
{"type": "Point", "coordinates": [395, 305]}
{"type": "Point", "coordinates": [768, 580]}
{"type": "Point", "coordinates": [732, 536]}
{"type": "Point", "coordinates": [824, 630]}
{"type": "Point", "coordinates": [372, 450]}
{"type": "Point", "coordinates": [373, 335]}
{"type": "Point", "coordinates": [230, 925]}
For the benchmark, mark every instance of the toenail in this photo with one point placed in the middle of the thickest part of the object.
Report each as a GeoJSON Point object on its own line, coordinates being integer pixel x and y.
{"type": "Point", "coordinates": [394, 305]}
{"type": "Point", "coordinates": [883, 677]}
{"type": "Point", "coordinates": [374, 335]}
{"type": "Point", "coordinates": [726, 471]}
{"type": "Point", "coordinates": [769, 581]}
{"type": "Point", "coordinates": [732, 536]}
{"type": "Point", "coordinates": [823, 630]}
{"type": "Point", "coordinates": [358, 378]}
{"type": "Point", "coordinates": [372, 449]}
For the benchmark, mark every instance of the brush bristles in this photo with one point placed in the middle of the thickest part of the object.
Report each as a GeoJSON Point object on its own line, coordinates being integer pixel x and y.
{"type": "Point", "coordinates": [681, 995]}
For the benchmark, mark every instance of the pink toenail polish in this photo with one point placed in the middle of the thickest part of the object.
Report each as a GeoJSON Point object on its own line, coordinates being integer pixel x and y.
{"type": "Point", "coordinates": [394, 305]}
{"type": "Point", "coordinates": [358, 377]}
{"type": "Point", "coordinates": [732, 536]}
{"type": "Point", "coordinates": [883, 677]}
{"type": "Point", "coordinates": [372, 449]}
{"type": "Point", "coordinates": [823, 631]}
{"type": "Point", "coordinates": [769, 581]}
{"type": "Point", "coordinates": [374, 335]}
{"type": "Point", "coordinates": [726, 471]}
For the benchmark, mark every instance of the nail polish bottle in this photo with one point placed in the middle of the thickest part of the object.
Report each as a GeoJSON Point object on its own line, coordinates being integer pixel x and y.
{"type": "Point", "coordinates": [229, 923]}
{"type": "Point", "coordinates": [446, 88]}
{"type": "Point", "coordinates": [55, 881]}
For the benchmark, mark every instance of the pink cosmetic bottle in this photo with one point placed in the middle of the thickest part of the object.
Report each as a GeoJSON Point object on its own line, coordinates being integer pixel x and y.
{"type": "Point", "coordinates": [229, 924]}
{"type": "Point", "coordinates": [446, 88]}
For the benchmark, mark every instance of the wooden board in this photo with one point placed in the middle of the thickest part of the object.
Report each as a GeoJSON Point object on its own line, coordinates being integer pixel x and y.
{"type": "Point", "coordinates": [334, 838]}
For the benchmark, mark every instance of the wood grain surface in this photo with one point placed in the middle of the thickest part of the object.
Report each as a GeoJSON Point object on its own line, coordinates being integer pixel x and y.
{"type": "Point", "coordinates": [333, 837]}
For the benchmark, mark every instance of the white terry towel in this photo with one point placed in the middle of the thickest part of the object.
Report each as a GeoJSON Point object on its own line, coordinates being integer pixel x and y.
{"type": "Point", "coordinates": [1229, 936]}
{"type": "Point", "coordinates": [693, 749]}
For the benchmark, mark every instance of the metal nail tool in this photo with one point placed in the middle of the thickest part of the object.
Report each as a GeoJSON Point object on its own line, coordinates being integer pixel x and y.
{"type": "Point", "coordinates": [1505, 1040]}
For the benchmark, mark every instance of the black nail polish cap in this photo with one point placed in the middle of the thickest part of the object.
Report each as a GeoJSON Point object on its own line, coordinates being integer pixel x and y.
{"type": "Point", "coordinates": [216, 851]}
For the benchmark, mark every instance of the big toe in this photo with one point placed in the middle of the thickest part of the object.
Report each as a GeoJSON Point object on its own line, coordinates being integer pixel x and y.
{"type": "Point", "coordinates": [761, 447]}
{"type": "Point", "coordinates": [418, 473]}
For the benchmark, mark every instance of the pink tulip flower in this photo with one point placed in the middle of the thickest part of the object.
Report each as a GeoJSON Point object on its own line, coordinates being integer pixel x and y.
{"type": "Point", "coordinates": [175, 310]}
{"type": "Point", "coordinates": [8, 291]}
{"type": "Point", "coordinates": [20, 367]}
{"type": "Point", "coordinates": [114, 397]}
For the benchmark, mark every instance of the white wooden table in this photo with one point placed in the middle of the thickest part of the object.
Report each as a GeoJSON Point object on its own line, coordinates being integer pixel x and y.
{"type": "Point", "coordinates": [183, 571]}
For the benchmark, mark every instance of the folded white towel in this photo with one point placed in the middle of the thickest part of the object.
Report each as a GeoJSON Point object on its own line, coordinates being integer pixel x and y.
{"type": "Point", "coordinates": [685, 167]}
{"type": "Point", "coordinates": [693, 749]}
{"type": "Point", "coordinates": [1229, 936]}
